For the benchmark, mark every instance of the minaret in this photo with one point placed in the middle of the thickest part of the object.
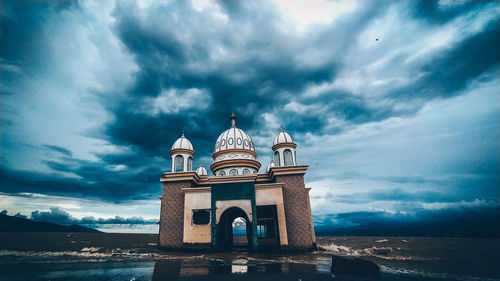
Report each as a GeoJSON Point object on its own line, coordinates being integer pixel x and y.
{"type": "Point", "coordinates": [182, 155]}
{"type": "Point", "coordinates": [284, 149]}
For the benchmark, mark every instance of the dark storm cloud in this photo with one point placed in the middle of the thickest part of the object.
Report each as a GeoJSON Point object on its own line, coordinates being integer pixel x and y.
{"type": "Point", "coordinates": [450, 72]}
{"type": "Point", "coordinates": [241, 61]}
{"type": "Point", "coordinates": [56, 215]}
{"type": "Point", "coordinates": [262, 74]}
{"type": "Point", "coordinates": [439, 13]}
{"type": "Point", "coordinates": [459, 215]}
{"type": "Point", "coordinates": [264, 71]}
{"type": "Point", "coordinates": [61, 150]}
{"type": "Point", "coordinates": [24, 42]}
{"type": "Point", "coordinates": [83, 178]}
{"type": "Point", "coordinates": [18, 215]}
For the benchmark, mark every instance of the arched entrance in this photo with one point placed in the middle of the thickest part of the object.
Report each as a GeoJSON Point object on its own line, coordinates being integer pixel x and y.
{"type": "Point", "coordinates": [226, 225]}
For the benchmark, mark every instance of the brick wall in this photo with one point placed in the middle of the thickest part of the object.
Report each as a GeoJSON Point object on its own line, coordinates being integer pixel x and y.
{"type": "Point", "coordinates": [172, 215]}
{"type": "Point", "coordinates": [297, 212]}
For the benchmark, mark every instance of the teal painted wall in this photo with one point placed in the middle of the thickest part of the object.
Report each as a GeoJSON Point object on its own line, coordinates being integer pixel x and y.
{"type": "Point", "coordinates": [234, 191]}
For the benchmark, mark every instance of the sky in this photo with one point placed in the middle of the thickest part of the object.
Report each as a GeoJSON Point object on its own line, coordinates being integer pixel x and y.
{"type": "Point", "coordinates": [394, 105]}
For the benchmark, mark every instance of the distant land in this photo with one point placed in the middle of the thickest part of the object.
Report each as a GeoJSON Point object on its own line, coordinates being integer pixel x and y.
{"type": "Point", "coordinates": [16, 224]}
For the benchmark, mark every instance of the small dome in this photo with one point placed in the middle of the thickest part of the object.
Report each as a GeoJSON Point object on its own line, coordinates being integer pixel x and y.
{"type": "Point", "coordinates": [233, 138]}
{"type": "Point", "coordinates": [183, 143]}
{"type": "Point", "coordinates": [270, 165]}
{"type": "Point", "coordinates": [201, 171]}
{"type": "Point", "coordinates": [282, 137]}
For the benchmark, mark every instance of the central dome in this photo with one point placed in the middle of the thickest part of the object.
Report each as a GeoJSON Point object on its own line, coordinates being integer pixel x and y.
{"type": "Point", "coordinates": [234, 153]}
{"type": "Point", "coordinates": [234, 138]}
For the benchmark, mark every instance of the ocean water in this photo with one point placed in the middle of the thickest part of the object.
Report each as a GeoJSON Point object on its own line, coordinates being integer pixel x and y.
{"type": "Point", "coordinates": [413, 258]}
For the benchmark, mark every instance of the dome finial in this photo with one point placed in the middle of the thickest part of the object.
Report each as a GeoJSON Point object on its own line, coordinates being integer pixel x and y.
{"type": "Point", "coordinates": [182, 136]}
{"type": "Point", "coordinates": [281, 128]}
{"type": "Point", "coordinates": [233, 120]}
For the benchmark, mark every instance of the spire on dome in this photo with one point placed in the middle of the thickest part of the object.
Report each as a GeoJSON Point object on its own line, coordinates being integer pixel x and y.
{"type": "Point", "coordinates": [233, 120]}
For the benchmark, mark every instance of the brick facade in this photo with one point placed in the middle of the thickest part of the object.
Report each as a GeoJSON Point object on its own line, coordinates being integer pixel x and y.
{"type": "Point", "coordinates": [172, 215]}
{"type": "Point", "coordinates": [297, 211]}
{"type": "Point", "coordinates": [296, 204]}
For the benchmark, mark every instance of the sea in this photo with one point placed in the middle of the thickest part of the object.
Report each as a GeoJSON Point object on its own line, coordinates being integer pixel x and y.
{"type": "Point", "coordinates": [60, 256]}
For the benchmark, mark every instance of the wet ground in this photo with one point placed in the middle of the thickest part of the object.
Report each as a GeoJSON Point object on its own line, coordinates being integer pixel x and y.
{"type": "Point", "coordinates": [80, 256]}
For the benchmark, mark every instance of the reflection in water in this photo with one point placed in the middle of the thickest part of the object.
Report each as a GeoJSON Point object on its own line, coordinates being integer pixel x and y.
{"type": "Point", "coordinates": [239, 269]}
{"type": "Point", "coordinates": [236, 268]}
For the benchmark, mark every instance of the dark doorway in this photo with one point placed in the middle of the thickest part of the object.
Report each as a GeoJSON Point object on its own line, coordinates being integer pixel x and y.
{"type": "Point", "coordinates": [229, 237]}
{"type": "Point", "coordinates": [267, 227]}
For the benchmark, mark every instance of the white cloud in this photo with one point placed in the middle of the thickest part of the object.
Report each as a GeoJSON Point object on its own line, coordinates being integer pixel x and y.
{"type": "Point", "coordinates": [306, 13]}
{"type": "Point", "coordinates": [174, 101]}
{"type": "Point", "coordinates": [301, 108]}
{"type": "Point", "coordinates": [462, 204]}
{"type": "Point", "coordinates": [118, 168]}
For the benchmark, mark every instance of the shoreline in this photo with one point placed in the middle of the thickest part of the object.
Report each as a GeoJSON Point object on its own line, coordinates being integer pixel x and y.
{"type": "Point", "coordinates": [461, 258]}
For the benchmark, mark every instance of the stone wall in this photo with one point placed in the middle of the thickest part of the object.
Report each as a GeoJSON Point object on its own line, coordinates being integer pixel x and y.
{"type": "Point", "coordinates": [298, 212]}
{"type": "Point", "coordinates": [172, 215]}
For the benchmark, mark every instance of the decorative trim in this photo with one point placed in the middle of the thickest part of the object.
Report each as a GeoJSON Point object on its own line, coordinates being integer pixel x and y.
{"type": "Point", "coordinates": [288, 170]}
{"type": "Point", "coordinates": [259, 179]}
{"type": "Point", "coordinates": [182, 151]}
{"type": "Point", "coordinates": [228, 179]}
{"type": "Point", "coordinates": [284, 144]}
{"type": "Point", "coordinates": [180, 176]}
{"type": "Point", "coordinates": [234, 150]}
{"type": "Point", "coordinates": [234, 163]}
{"type": "Point", "coordinates": [196, 189]}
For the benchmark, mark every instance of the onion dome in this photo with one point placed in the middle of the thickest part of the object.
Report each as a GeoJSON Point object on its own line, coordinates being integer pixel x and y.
{"type": "Point", "coordinates": [234, 153]}
{"type": "Point", "coordinates": [182, 155]}
{"type": "Point", "coordinates": [233, 138]}
{"type": "Point", "coordinates": [182, 143]}
{"type": "Point", "coordinates": [282, 137]}
{"type": "Point", "coordinates": [284, 149]}
{"type": "Point", "coordinates": [201, 171]}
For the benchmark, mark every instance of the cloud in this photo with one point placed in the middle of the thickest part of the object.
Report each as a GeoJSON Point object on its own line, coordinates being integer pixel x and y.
{"type": "Point", "coordinates": [55, 215]}
{"type": "Point", "coordinates": [95, 93]}
{"type": "Point", "coordinates": [397, 194]}
{"type": "Point", "coordinates": [61, 150]}
{"type": "Point", "coordinates": [173, 102]}
{"type": "Point", "coordinates": [59, 216]}
{"type": "Point", "coordinates": [451, 71]}
{"type": "Point", "coordinates": [456, 212]}
{"type": "Point", "coordinates": [18, 215]}
{"type": "Point", "coordinates": [83, 178]}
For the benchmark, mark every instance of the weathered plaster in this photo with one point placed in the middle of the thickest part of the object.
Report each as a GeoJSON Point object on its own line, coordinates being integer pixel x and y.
{"type": "Point", "coordinates": [222, 205]}
{"type": "Point", "coordinates": [196, 199]}
{"type": "Point", "coordinates": [272, 194]}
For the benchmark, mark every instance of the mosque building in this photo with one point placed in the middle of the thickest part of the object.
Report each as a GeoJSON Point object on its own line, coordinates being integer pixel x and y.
{"type": "Point", "coordinates": [199, 211]}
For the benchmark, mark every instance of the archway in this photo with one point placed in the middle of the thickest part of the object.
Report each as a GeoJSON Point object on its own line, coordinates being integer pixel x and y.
{"type": "Point", "coordinates": [240, 240]}
{"type": "Point", "coordinates": [226, 231]}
